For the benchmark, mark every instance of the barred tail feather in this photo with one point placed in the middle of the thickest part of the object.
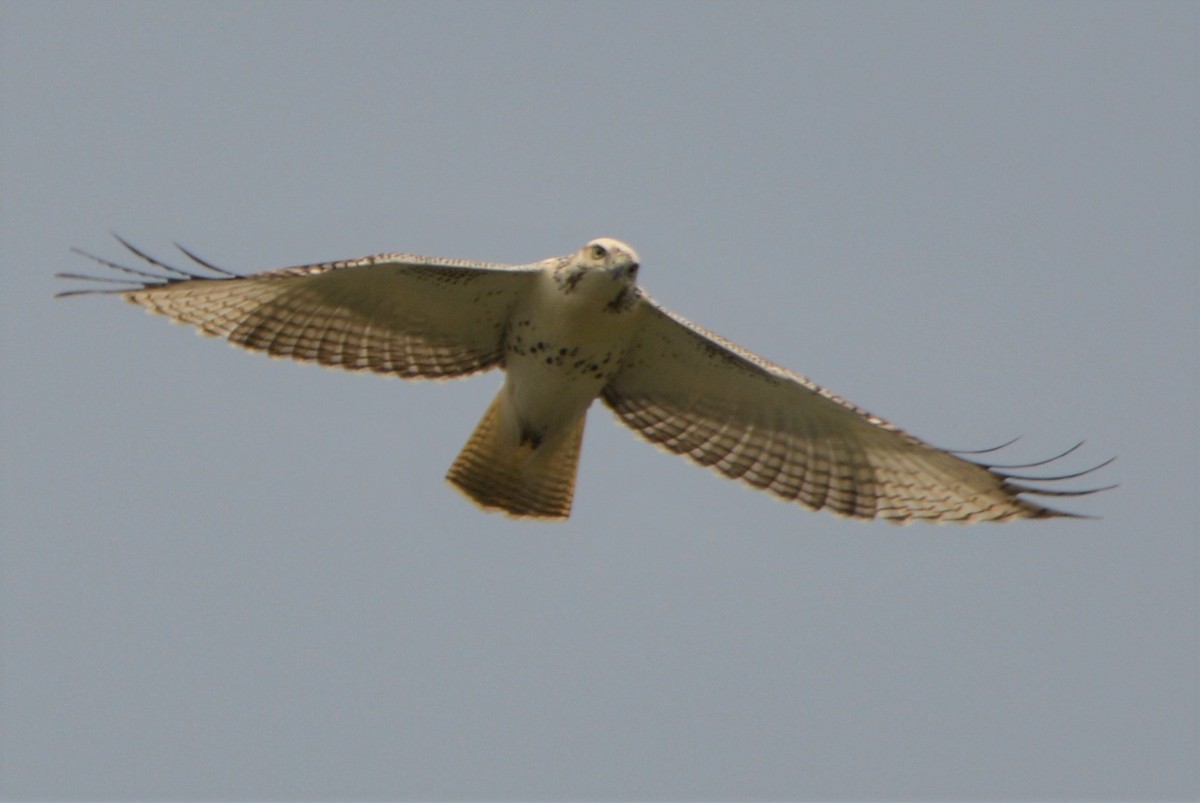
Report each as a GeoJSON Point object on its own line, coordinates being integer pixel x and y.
{"type": "Point", "coordinates": [499, 472]}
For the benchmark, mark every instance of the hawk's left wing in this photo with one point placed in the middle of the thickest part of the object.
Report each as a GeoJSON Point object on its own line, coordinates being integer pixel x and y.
{"type": "Point", "coordinates": [399, 314]}
{"type": "Point", "coordinates": [694, 393]}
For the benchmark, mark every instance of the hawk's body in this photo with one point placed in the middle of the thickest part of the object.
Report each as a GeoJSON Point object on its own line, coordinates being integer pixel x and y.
{"type": "Point", "coordinates": [565, 338]}
{"type": "Point", "coordinates": [567, 331]}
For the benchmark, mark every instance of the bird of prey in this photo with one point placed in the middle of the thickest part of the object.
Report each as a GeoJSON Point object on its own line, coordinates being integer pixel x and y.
{"type": "Point", "coordinates": [566, 331]}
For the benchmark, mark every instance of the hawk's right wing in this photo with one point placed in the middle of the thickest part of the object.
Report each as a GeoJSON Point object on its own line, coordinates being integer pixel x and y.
{"type": "Point", "coordinates": [411, 316]}
{"type": "Point", "coordinates": [696, 394]}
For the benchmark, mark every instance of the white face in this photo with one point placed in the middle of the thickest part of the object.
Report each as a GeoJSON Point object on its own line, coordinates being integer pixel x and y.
{"type": "Point", "coordinates": [604, 271]}
{"type": "Point", "coordinates": [605, 253]}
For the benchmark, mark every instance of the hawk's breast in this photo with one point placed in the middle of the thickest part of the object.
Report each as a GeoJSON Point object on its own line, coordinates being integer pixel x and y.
{"type": "Point", "coordinates": [560, 349]}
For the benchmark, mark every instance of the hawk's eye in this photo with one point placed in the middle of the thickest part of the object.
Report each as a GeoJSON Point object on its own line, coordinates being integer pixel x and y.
{"type": "Point", "coordinates": [598, 252]}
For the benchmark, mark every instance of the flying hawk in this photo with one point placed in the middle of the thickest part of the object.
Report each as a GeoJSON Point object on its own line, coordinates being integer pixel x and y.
{"type": "Point", "coordinates": [568, 330]}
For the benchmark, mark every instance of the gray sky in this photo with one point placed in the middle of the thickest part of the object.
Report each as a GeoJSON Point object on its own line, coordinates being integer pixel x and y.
{"type": "Point", "coordinates": [225, 576]}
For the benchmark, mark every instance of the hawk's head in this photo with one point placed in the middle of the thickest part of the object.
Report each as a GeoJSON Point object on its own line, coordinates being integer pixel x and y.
{"type": "Point", "coordinates": [613, 256]}
{"type": "Point", "coordinates": [605, 267]}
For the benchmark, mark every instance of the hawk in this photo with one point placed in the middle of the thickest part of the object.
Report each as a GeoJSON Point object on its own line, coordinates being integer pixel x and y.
{"type": "Point", "coordinates": [566, 331]}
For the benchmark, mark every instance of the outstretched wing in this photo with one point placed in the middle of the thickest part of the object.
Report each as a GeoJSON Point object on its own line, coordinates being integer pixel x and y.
{"type": "Point", "coordinates": [399, 314]}
{"type": "Point", "coordinates": [696, 394]}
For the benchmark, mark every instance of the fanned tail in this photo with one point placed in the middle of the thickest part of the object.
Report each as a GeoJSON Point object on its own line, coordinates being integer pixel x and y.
{"type": "Point", "coordinates": [500, 470]}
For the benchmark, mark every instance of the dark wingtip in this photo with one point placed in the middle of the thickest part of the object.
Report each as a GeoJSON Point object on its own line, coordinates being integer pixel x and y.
{"type": "Point", "coordinates": [205, 263]}
{"type": "Point", "coordinates": [1029, 489]}
{"type": "Point", "coordinates": [1052, 513]}
{"type": "Point", "coordinates": [1058, 456]}
{"type": "Point", "coordinates": [155, 278]}
{"type": "Point", "coordinates": [1055, 477]}
{"type": "Point", "coordinates": [126, 285]}
{"type": "Point", "coordinates": [1004, 445]}
{"type": "Point", "coordinates": [1016, 483]}
{"type": "Point", "coordinates": [144, 279]}
{"type": "Point", "coordinates": [155, 262]}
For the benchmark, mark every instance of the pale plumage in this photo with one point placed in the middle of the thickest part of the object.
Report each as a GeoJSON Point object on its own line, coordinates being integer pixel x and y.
{"type": "Point", "coordinates": [569, 330]}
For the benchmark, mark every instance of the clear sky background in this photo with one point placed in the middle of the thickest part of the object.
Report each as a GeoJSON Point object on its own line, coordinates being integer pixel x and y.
{"type": "Point", "coordinates": [225, 576]}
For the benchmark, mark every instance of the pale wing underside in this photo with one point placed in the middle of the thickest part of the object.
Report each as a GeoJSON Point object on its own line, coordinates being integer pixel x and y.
{"type": "Point", "coordinates": [698, 395]}
{"type": "Point", "coordinates": [412, 316]}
